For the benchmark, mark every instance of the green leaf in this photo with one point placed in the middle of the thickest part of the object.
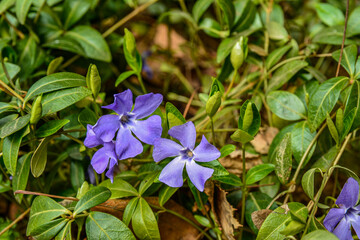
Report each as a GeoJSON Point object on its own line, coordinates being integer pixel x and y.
{"type": "Point", "coordinates": [92, 198]}
{"type": "Point", "coordinates": [49, 229]}
{"type": "Point", "coordinates": [245, 15]}
{"type": "Point", "coordinates": [77, 175]}
{"type": "Point", "coordinates": [353, 27]}
{"type": "Point", "coordinates": [320, 235]}
{"type": "Point", "coordinates": [55, 82]}
{"type": "Point", "coordinates": [323, 100]}
{"type": "Point", "coordinates": [244, 120]}
{"type": "Point", "coordinates": [43, 210]}
{"type": "Point", "coordinates": [11, 146]}
{"type": "Point", "coordinates": [5, 5]}
{"type": "Point", "coordinates": [123, 76]}
{"type": "Point", "coordinates": [353, 101]}
{"type": "Point", "coordinates": [284, 73]}
{"type": "Point", "coordinates": [282, 158]}
{"type": "Point", "coordinates": [271, 190]}
{"type": "Point", "coordinates": [147, 182]}
{"type": "Point", "coordinates": [20, 178]}
{"type": "Point", "coordinates": [119, 188]}
{"type": "Point", "coordinates": [226, 150]}
{"type": "Point", "coordinates": [129, 210]}
{"type": "Point", "coordinates": [56, 101]}
{"type": "Point", "coordinates": [219, 170]}
{"type": "Point", "coordinates": [258, 172]}
{"type": "Point", "coordinates": [277, 31]}
{"type": "Point", "coordinates": [7, 107]}
{"type": "Point", "coordinates": [332, 35]}
{"type": "Point", "coordinates": [276, 141]}
{"type": "Point", "coordinates": [22, 8]}
{"type": "Point", "coordinates": [91, 41]}
{"type": "Point", "coordinates": [39, 158]}
{"type": "Point", "coordinates": [144, 222]}
{"type": "Point", "coordinates": [51, 127]}
{"type": "Point", "coordinates": [173, 115]}
{"type": "Point", "coordinates": [241, 136]}
{"type": "Point", "coordinates": [275, 56]}
{"type": "Point", "coordinates": [276, 222]}
{"type": "Point", "coordinates": [73, 11]}
{"type": "Point", "coordinates": [329, 14]}
{"type": "Point", "coordinates": [54, 65]}
{"type": "Point", "coordinates": [228, 9]}
{"type": "Point", "coordinates": [105, 226]}
{"type": "Point", "coordinates": [348, 59]}
{"type": "Point", "coordinates": [65, 232]}
{"type": "Point", "coordinates": [286, 105]}
{"type": "Point", "coordinates": [12, 70]}
{"type": "Point", "coordinates": [308, 183]}
{"type": "Point", "coordinates": [66, 43]}
{"type": "Point", "coordinates": [200, 8]}
{"type": "Point", "coordinates": [230, 179]}
{"type": "Point", "coordinates": [165, 194]}
{"type": "Point", "coordinates": [325, 161]}
{"type": "Point", "coordinates": [14, 126]}
{"type": "Point", "coordinates": [86, 117]}
{"type": "Point", "coordinates": [225, 48]}
{"type": "Point", "coordinates": [301, 137]}
{"type": "Point", "coordinates": [203, 221]}
{"type": "Point", "coordinates": [333, 131]}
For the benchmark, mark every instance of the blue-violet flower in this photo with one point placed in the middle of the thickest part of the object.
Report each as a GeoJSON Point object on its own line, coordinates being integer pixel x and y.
{"type": "Point", "coordinates": [186, 155]}
{"type": "Point", "coordinates": [340, 220]}
{"type": "Point", "coordinates": [127, 122]}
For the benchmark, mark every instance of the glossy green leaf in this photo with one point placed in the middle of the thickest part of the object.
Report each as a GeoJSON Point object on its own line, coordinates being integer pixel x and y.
{"type": "Point", "coordinates": [173, 115]}
{"type": "Point", "coordinates": [284, 73]}
{"type": "Point", "coordinates": [301, 137]}
{"type": "Point", "coordinates": [275, 56]}
{"type": "Point", "coordinates": [249, 124]}
{"type": "Point", "coordinates": [91, 41]}
{"type": "Point", "coordinates": [286, 105]}
{"type": "Point", "coordinates": [55, 82]}
{"type": "Point", "coordinates": [12, 70]}
{"type": "Point", "coordinates": [77, 174]}
{"type": "Point", "coordinates": [200, 8]}
{"type": "Point", "coordinates": [227, 150]}
{"type": "Point", "coordinates": [39, 158]}
{"type": "Point", "coordinates": [66, 43]}
{"type": "Point", "coordinates": [329, 14]}
{"type": "Point", "coordinates": [258, 172]}
{"type": "Point", "coordinates": [282, 158]}
{"type": "Point", "coordinates": [353, 101]}
{"type": "Point", "coordinates": [20, 178]}
{"type": "Point", "coordinates": [271, 190]}
{"type": "Point", "coordinates": [276, 222]}
{"type": "Point", "coordinates": [225, 48]}
{"type": "Point", "coordinates": [308, 183]}
{"type": "Point", "coordinates": [14, 126]}
{"type": "Point", "coordinates": [54, 65]}
{"type": "Point", "coordinates": [65, 232]}
{"type": "Point", "coordinates": [86, 117]}
{"type": "Point", "coordinates": [219, 170]}
{"type": "Point", "coordinates": [5, 5]}
{"type": "Point", "coordinates": [49, 229]}
{"type": "Point", "coordinates": [333, 131]}
{"type": "Point", "coordinates": [129, 210]}
{"type": "Point", "coordinates": [43, 210]}
{"type": "Point", "coordinates": [165, 194]}
{"type": "Point", "coordinates": [230, 179]}
{"type": "Point", "coordinates": [92, 198]}
{"type": "Point", "coordinates": [353, 27]}
{"type": "Point", "coordinates": [73, 11]}
{"type": "Point", "coordinates": [241, 136]}
{"type": "Point", "coordinates": [144, 222]}
{"type": "Point", "coordinates": [11, 146]}
{"type": "Point", "coordinates": [320, 235]}
{"type": "Point", "coordinates": [51, 127]}
{"type": "Point", "coordinates": [119, 188]}
{"type": "Point", "coordinates": [123, 76]}
{"type": "Point", "coordinates": [245, 14]}
{"type": "Point", "coordinates": [348, 59]}
{"type": "Point", "coordinates": [56, 101]}
{"type": "Point", "coordinates": [332, 35]}
{"type": "Point", "coordinates": [325, 161]}
{"type": "Point", "coordinates": [228, 9]}
{"type": "Point", "coordinates": [22, 8]}
{"type": "Point", "coordinates": [147, 182]}
{"type": "Point", "coordinates": [203, 221]}
{"type": "Point", "coordinates": [7, 107]}
{"type": "Point", "coordinates": [323, 101]}
{"type": "Point", "coordinates": [105, 226]}
{"type": "Point", "coordinates": [277, 31]}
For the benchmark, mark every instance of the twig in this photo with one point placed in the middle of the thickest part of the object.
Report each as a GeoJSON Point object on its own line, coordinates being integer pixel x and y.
{"type": "Point", "coordinates": [44, 194]}
{"type": "Point", "coordinates": [189, 104]}
{"type": "Point", "coordinates": [344, 37]}
{"type": "Point", "coordinates": [15, 221]}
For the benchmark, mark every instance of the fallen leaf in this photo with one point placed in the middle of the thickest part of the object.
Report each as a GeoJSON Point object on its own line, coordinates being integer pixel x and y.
{"type": "Point", "coordinates": [161, 39]}
{"type": "Point", "coordinates": [258, 217]}
{"type": "Point", "coordinates": [233, 162]}
{"type": "Point", "coordinates": [263, 139]}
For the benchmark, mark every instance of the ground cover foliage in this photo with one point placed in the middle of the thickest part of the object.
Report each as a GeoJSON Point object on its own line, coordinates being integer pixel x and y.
{"type": "Point", "coordinates": [156, 119]}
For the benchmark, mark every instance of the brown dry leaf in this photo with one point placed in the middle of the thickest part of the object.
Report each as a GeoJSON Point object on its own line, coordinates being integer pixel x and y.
{"type": "Point", "coordinates": [170, 226]}
{"type": "Point", "coordinates": [225, 213]}
{"type": "Point", "coordinates": [233, 162]}
{"type": "Point", "coordinates": [161, 39]}
{"type": "Point", "coordinates": [258, 217]}
{"type": "Point", "coordinates": [263, 139]}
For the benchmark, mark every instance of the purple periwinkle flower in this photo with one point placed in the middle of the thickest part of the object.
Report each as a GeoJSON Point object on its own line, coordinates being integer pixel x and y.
{"type": "Point", "coordinates": [185, 155]}
{"type": "Point", "coordinates": [340, 220]}
{"type": "Point", "coordinates": [127, 122]}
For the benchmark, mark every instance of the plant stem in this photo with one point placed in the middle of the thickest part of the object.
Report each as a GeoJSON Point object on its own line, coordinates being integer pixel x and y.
{"type": "Point", "coordinates": [244, 191]}
{"type": "Point", "coordinates": [19, 218]}
{"type": "Point", "coordinates": [203, 207]}
{"type": "Point", "coordinates": [44, 194]}
{"type": "Point", "coordinates": [213, 131]}
{"type": "Point", "coordinates": [231, 84]}
{"type": "Point", "coordinates": [141, 83]}
{"type": "Point", "coordinates": [218, 130]}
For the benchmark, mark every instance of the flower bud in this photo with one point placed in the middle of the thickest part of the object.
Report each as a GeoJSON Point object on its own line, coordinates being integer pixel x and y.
{"type": "Point", "coordinates": [129, 42]}
{"type": "Point", "coordinates": [93, 80]}
{"type": "Point", "coordinates": [239, 53]}
{"type": "Point", "coordinates": [213, 104]}
{"type": "Point", "coordinates": [248, 117]}
{"type": "Point", "coordinates": [36, 110]}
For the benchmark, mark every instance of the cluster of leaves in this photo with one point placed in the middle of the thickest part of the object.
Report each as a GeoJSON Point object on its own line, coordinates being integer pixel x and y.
{"type": "Point", "coordinates": [274, 67]}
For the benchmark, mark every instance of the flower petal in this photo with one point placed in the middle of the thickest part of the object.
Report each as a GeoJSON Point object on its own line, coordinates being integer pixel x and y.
{"type": "Point", "coordinates": [122, 102]}
{"type": "Point", "coordinates": [91, 139]}
{"type": "Point", "coordinates": [164, 148]}
{"type": "Point", "coordinates": [348, 196]}
{"type": "Point", "coordinates": [146, 104]}
{"type": "Point", "coordinates": [356, 226]}
{"type": "Point", "coordinates": [100, 160]}
{"type": "Point", "coordinates": [106, 127]}
{"type": "Point", "coordinates": [333, 218]}
{"type": "Point", "coordinates": [198, 174]}
{"type": "Point", "coordinates": [148, 130]}
{"type": "Point", "coordinates": [172, 174]}
{"type": "Point", "coordinates": [110, 172]}
{"type": "Point", "coordinates": [343, 231]}
{"type": "Point", "coordinates": [185, 133]}
{"type": "Point", "coordinates": [126, 145]}
{"type": "Point", "coordinates": [205, 152]}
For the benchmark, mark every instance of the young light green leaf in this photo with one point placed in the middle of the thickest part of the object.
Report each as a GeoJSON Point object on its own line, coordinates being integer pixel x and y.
{"type": "Point", "coordinates": [308, 183]}
{"type": "Point", "coordinates": [22, 8]}
{"type": "Point", "coordinates": [165, 194]}
{"type": "Point", "coordinates": [249, 120]}
{"type": "Point", "coordinates": [219, 170]}
{"type": "Point", "coordinates": [333, 131]}
{"type": "Point", "coordinates": [144, 222]}
{"type": "Point", "coordinates": [14, 126]}
{"type": "Point", "coordinates": [92, 198]}
{"type": "Point", "coordinates": [241, 136]}
{"type": "Point", "coordinates": [230, 179]}
{"type": "Point", "coordinates": [275, 56]}
{"type": "Point", "coordinates": [54, 65]}
{"type": "Point", "coordinates": [56, 101]}
{"type": "Point", "coordinates": [39, 158]}
{"type": "Point", "coordinates": [129, 210]}
{"type": "Point", "coordinates": [105, 226]}
{"type": "Point", "coordinates": [286, 105]}
{"type": "Point", "coordinates": [329, 14]}
{"type": "Point", "coordinates": [147, 182]}
{"type": "Point", "coordinates": [284, 73]}
{"type": "Point", "coordinates": [73, 11]}
{"type": "Point", "coordinates": [226, 150]}
{"type": "Point", "coordinates": [51, 127]}
{"type": "Point", "coordinates": [173, 115]}
{"type": "Point", "coordinates": [282, 158]}
{"type": "Point", "coordinates": [348, 60]}
{"type": "Point", "coordinates": [20, 178]}
{"type": "Point", "coordinates": [320, 235]}
{"type": "Point", "coordinates": [203, 221]}
{"type": "Point", "coordinates": [200, 8]}
{"type": "Point", "coordinates": [301, 137]}
{"type": "Point", "coordinates": [5, 5]}
{"type": "Point", "coordinates": [55, 82]}
{"type": "Point", "coordinates": [324, 100]}
{"type": "Point", "coordinates": [119, 188]}
{"type": "Point", "coordinates": [277, 31]}
{"type": "Point", "coordinates": [123, 76]}
{"type": "Point", "coordinates": [258, 172]}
